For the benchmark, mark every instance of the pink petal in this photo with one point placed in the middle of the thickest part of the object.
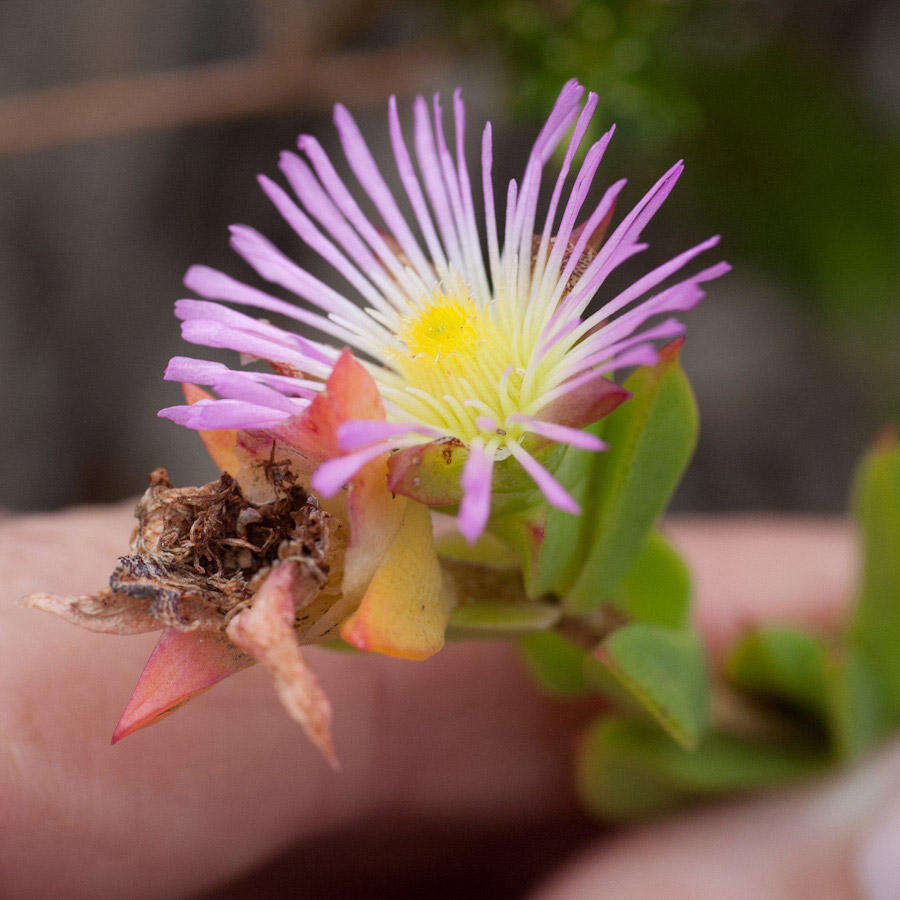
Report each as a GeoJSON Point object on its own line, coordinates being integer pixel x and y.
{"type": "Point", "coordinates": [413, 188]}
{"type": "Point", "coordinates": [202, 371]}
{"type": "Point", "coordinates": [475, 506]}
{"type": "Point", "coordinates": [555, 493]}
{"type": "Point", "coordinates": [368, 175]}
{"type": "Point", "coordinates": [334, 473]}
{"type": "Point", "coordinates": [562, 434]}
{"type": "Point", "coordinates": [358, 433]}
{"type": "Point", "coordinates": [210, 415]}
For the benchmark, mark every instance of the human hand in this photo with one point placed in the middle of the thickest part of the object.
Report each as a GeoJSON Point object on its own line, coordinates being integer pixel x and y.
{"type": "Point", "coordinates": [215, 790]}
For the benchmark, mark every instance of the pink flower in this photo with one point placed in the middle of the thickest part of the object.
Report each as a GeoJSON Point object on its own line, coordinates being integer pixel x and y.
{"type": "Point", "coordinates": [483, 357]}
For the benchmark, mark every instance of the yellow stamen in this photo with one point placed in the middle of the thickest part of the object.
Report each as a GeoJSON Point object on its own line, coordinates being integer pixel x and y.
{"type": "Point", "coordinates": [456, 349]}
{"type": "Point", "coordinates": [447, 325]}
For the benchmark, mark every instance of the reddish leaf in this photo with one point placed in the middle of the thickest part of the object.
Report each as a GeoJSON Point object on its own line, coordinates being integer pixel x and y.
{"type": "Point", "coordinates": [350, 393]}
{"type": "Point", "coordinates": [591, 401]}
{"type": "Point", "coordinates": [182, 665]}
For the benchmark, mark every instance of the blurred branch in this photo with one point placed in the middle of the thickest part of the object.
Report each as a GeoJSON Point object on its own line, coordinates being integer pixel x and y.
{"type": "Point", "coordinates": [272, 83]}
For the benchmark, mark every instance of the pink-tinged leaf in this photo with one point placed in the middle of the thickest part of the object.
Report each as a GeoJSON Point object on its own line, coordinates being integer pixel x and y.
{"type": "Point", "coordinates": [429, 473]}
{"type": "Point", "coordinates": [266, 631]}
{"type": "Point", "coordinates": [182, 665]}
{"type": "Point", "coordinates": [669, 353]}
{"type": "Point", "coordinates": [593, 399]}
{"type": "Point", "coordinates": [406, 606]}
{"type": "Point", "coordinates": [350, 393]}
{"type": "Point", "coordinates": [374, 513]}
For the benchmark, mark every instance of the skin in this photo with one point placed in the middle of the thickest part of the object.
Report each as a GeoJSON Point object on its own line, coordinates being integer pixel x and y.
{"type": "Point", "coordinates": [222, 786]}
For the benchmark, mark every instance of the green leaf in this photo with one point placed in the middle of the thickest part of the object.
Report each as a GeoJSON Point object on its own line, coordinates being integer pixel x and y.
{"type": "Point", "coordinates": [558, 665]}
{"type": "Point", "coordinates": [626, 769]}
{"type": "Point", "coordinates": [564, 545]}
{"type": "Point", "coordinates": [488, 550]}
{"type": "Point", "coordinates": [876, 624]}
{"type": "Point", "coordinates": [498, 618]}
{"type": "Point", "coordinates": [858, 718]}
{"type": "Point", "coordinates": [663, 669]}
{"type": "Point", "coordinates": [657, 587]}
{"type": "Point", "coordinates": [339, 646]}
{"type": "Point", "coordinates": [651, 438]}
{"type": "Point", "coordinates": [785, 665]}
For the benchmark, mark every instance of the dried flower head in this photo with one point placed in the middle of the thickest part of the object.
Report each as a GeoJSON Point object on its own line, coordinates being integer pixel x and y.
{"type": "Point", "coordinates": [251, 567]}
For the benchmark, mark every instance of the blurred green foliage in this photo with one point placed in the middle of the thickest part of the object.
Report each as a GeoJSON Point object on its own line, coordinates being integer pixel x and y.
{"type": "Point", "coordinates": [786, 156]}
{"type": "Point", "coordinates": [789, 703]}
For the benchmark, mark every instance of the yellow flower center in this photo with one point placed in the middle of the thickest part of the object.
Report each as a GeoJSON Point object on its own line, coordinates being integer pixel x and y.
{"type": "Point", "coordinates": [447, 325]}
{"type": "Point", "coordinates": [456, 352]}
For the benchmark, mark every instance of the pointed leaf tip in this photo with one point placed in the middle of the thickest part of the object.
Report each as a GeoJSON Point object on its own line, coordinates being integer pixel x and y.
{"type": "Point", "coordinates": [182, 665]}
{"type": "Point", "coordinates": [671, 350]}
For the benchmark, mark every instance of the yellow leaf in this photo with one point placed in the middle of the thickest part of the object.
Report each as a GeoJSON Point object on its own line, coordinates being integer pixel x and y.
{"type": "Point", "coordinates": [405, 609]}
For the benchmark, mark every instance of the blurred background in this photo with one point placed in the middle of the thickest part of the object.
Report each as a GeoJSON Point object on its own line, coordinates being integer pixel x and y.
{"type": "Point", "coordinates": [131, 132]}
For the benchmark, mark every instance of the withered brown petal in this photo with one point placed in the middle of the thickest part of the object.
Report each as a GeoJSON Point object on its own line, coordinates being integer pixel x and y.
{"type": "Point", "coordinates": [108, 612]}
{"type": "Point", "coordinates": [266, 632]}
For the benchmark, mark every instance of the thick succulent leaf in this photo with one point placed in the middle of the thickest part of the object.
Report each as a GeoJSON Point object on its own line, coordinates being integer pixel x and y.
{"type": "Point", "coordinates": [565, 537]}
{"type": "Point", "coordinates": [876, 622]}
{"type": "Point", "coordinates": [784, 665]}
{"type": "Point", "coordinates": [651, 439]}
{"type": "Point", "coordinates": [858, 716]}
{"type": "Point", "coordinates": [593, 400]}
{"type": "Point", "coordinates": [628, 770]}
{"type": "Point", "coordinates": [375, 516]}
{"type": "Point", "coordinates": [488, 550]}
{"type": "Point", "coordinates": [182, 665]}
{"type": "Point", "coordinates": [657, 587]}
{"type": "Point", "coordinates": [501, 618]}
{"type": "Point", "coordinates": [429, 473]}
{"type": "Point", "coordinates": [523, 531]}
{"type": "Point", "coordinates": [663, 670]}
{"type": "Point", "coordinates": [405, 609]}
{"type": "Point", "coordinates": [559, 665]}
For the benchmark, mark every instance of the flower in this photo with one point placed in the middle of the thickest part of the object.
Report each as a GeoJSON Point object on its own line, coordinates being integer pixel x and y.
{"type": "Point", "coordinates": [456, 384]}
{"type": "Point", "coordinates": [482, 360]}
